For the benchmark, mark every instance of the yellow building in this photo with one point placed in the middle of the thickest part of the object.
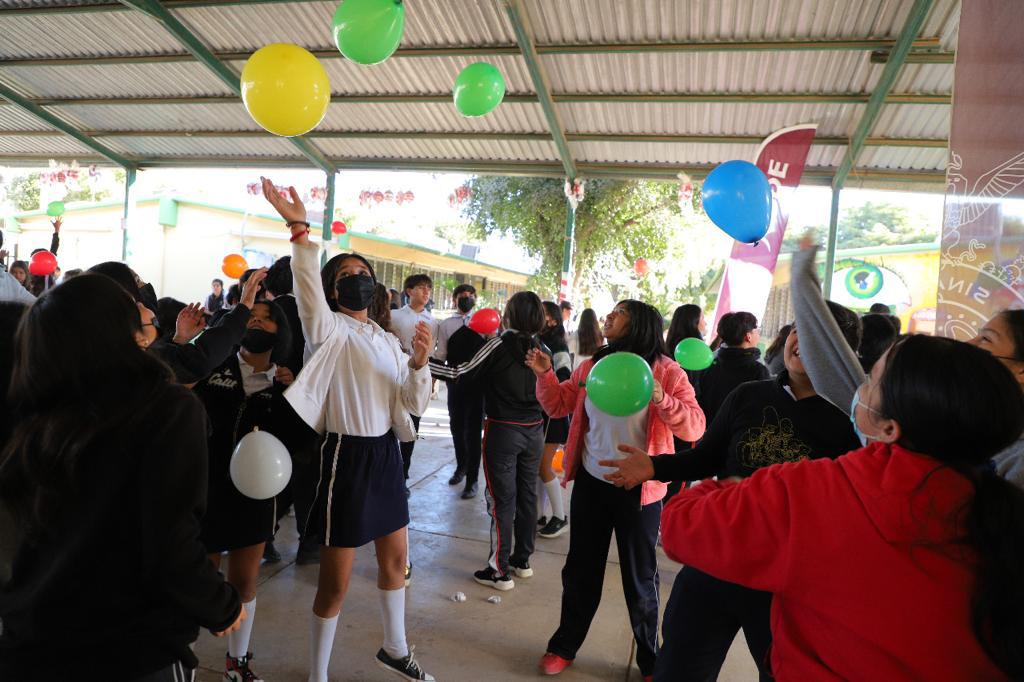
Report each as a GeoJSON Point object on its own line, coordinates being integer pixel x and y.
{"type": "Point", "coordinates": [178, 245]}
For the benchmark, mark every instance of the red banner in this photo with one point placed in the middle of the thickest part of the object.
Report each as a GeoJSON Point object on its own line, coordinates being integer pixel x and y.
{"type": "Point", "coordinates": [981, 268]}
{"type": "Point", "coordinates": [749, 271]}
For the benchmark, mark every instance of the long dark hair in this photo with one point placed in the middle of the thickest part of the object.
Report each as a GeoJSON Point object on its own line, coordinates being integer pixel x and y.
{"type": "Point", "coordinates": [78, 376]}
{"type": "Point", "coordinates": [779, 344]}
{"type": "Point", "coordinates": [646, 335]}
{"type": "Point", "coordinates": [685, 325]}
{"type": "Point", "coordinates": [553, 336]}
{"type": "Point", "coordinates": [588, 333]}
{"type": "Point", "coordinates": [959, 405]}
{"type": "Point", "coordinates": [329, 275]}
{"type": "Point", "coordinates": [524, 312]}
{"type": "Point", "coordinates": [380, 307]}
{"type": "Point", "coordinates": [878, 333]}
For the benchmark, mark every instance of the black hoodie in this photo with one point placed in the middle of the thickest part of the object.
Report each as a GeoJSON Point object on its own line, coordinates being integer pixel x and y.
{"type": "Point", "coordinates": [499, 369]}
{"type": "Point", "coordinates": [732, 367]}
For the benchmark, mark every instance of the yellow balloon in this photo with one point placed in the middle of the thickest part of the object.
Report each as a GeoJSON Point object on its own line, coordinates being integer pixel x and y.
{"type": "Point", "coordinates": [285, 89]}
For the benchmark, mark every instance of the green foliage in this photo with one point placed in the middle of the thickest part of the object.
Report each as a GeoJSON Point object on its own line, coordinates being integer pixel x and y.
{"type": "Point", "coordinates": [617, 223]}
{"type": "Point", "coordinates": [871, 224]}
{"type": "Point", "coordinates": [24, 191]}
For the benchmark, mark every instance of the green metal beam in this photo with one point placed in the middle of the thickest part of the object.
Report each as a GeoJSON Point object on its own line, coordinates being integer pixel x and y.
{"type": "Point", "coordinates": [191, 42]}
{"type": "Point", "coordinates": [128, 215]}
{"type": "Point", "coordinates": [446, 98]}
{"type": "Point", "coordinates": [911, 27]}
{"type": "Point", "coordinates": [917, 142]}
{"type": "Point", "coordinates": [60, 124]}
{"type": "Point", "coordinates": [879, 51]}
{"type": "Point", "coordinates": [325, 224]}
{"type": "Point", "coordinates": [830, 249]}
{"type": "Point", "coordinates": [521, 27]}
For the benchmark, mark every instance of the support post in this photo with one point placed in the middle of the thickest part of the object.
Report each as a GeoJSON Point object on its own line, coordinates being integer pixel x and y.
{"type": "Point", "coordinates": [325, 228]}
{"type": "Point", "coordinates": [128, 216]}
{"type": "Point", "coordinates": [570, 231]}
{"type": "Point", "coordinates": [833, 236]}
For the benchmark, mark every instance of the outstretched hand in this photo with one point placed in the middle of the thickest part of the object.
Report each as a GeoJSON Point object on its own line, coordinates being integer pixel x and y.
{"type": "Point", "coordinates": [57, 222]}
{"type": "Point", "coordinates": [290, 208]}
{"type": "Point", "coordinates": [631, 471]}
{"type": "Point", "coordinates": [538, 361]}
{"type": "Point", "coordinates": [190, 322]}
{"type": "Point", "coordinates": [252, 287]}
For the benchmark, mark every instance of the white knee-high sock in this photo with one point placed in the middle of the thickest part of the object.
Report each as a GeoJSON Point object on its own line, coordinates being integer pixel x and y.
{"type": "Point", "coordinates": [554, 489]}
{"type": "Point", "coordinates": [392, 613]}
{"type": "Point", "coordinates": [320, 644]}
{"type": "Point", "coordinates": [238, 641]}
{"type": "Point", "coordinates": [541, 492]}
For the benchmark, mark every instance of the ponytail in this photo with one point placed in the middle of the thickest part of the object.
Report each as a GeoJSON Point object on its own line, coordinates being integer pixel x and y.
{"type": "Point", "coordinates": [995, 531]}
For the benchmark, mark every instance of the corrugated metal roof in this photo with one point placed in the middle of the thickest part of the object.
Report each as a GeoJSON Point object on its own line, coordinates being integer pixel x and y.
{"type": "Point", "coordinates": [454, 24]}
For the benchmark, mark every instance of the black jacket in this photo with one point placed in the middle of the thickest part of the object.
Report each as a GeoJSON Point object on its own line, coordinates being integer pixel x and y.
{"type": "Point", "coordinates": [122, 561]}
{"type": "Point", "coordinates": [732, 367]}
{"type": "Point", "coordinates": [758, 425]}
{"type": "Point", "coordinates": [292, 358]}
{"type": "Point", "coordinates": [499, 369]}
{"type": "Point", "coordinates": [192, 362]}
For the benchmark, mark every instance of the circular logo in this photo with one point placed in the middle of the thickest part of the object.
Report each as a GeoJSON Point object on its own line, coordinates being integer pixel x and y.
{"type": "Point", "coordinates": [864, 281]}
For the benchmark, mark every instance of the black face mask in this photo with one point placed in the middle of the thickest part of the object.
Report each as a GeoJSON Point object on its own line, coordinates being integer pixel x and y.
{"type": "Point", "coordinates": [258, 340]}
{"type": "Point", "coordinates": [466, 304]}
{"type": "Point", "coordinates": [355, 292]}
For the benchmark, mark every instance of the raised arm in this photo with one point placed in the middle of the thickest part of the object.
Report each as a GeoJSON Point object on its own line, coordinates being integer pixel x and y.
{"type": "Point", "coordinates": [832, 365]}
{"type": "Point", "coordinates": [467, 371]}
{"type": "Point", "coordinates": [317, 319]}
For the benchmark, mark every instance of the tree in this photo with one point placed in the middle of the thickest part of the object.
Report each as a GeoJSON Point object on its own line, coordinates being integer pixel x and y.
{"type": "Point", "coordinates": [616, 223]}
{"type": "Point", "coordinates": [870, 224]}
{"type": "Point", "coordinates": [24, 191]}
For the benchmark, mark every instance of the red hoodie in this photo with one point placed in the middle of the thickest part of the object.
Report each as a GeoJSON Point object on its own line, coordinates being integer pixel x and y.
{"type": "Point", "coordinates": [860, 554]}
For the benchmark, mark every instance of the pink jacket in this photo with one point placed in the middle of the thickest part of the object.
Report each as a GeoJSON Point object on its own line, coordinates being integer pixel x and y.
{"type": "Point", "coordinates": [677, 414]}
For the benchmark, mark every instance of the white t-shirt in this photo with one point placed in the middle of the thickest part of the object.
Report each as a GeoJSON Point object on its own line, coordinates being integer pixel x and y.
{"type": "Point", "coordinates": [403, 324]}
{"type": "Point", "coordinates": [253, 381]}
{"type": "Point", "coordinates": [604, 435]}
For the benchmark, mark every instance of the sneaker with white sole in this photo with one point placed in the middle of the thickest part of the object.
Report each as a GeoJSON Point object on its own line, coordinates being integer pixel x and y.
{"type": "Point", "coordinates": [490, 577]}
{"type": "Point", "coordinates": [237, 669]}
{"type": "Point", "coordinates": [555, 528]}
{"type": "Point", "coordinates": [407, 668]}
{"type": "Point", "coordinates": [522, 570]}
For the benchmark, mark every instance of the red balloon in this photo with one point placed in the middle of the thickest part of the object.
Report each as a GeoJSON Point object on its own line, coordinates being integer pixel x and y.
{"type": "Point", "coordinates": [42, 264]}
{"type": "Point", "coordinates": [485, 321]}
{"type": "Point", "coordinates": [640, 266]}
{"type": "Point", "coordinates": [338, 227]}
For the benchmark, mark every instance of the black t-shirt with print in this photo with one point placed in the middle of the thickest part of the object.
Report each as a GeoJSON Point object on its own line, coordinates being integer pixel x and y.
{"type": "Point", "coordinates": [758, 425]}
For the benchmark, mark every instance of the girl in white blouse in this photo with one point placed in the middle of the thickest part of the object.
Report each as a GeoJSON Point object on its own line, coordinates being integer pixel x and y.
{"type": "Point", "coordinates": [358, 387]}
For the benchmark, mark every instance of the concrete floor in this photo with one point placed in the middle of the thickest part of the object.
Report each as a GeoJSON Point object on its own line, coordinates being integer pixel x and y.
{"type": "Point", "coordinates": [470, 641]}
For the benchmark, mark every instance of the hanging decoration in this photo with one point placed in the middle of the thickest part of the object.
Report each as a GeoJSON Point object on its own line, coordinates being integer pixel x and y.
{"type": "Point", "coordinates": [62, 174]}
{"type": "Point", "coordinates": [685, 195]}
{"type": "Point", "coordinates": [460, 196]}
{"type": "Point", "coordinates": [368, 198]}
{"type": "Point", "coordinates": [641, 267]}
{"type": "Point", "coordinates": [574, 192]}
{"type": "Point", "coordinates": [255, 189]}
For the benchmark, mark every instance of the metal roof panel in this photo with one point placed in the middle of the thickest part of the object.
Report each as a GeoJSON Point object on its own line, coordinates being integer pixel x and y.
{"type": "Point", "coordinates": [433, 116]}
{"type": "Point", "coordinates": [913, 120]}
{"type": "Point", "coordinates": [477, 150]}
{"type": "Point", "coordinates": [178, 79]}
{"type": "Point", "coordinates": [183, 117]}
{"type": "Point", "coordinates": [155, 147]}
{"type": "Point", "coordinates": [57, 145]}
{"type": "Point", "coordinates": [89, 34]}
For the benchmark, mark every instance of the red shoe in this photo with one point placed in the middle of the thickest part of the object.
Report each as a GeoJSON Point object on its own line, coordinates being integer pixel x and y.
{"type": "Point", "coordinates": [552, 664]}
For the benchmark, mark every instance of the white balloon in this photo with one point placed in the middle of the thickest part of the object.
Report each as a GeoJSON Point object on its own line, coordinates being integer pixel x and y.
{"type": "Point", "coordinates": [260, 465]}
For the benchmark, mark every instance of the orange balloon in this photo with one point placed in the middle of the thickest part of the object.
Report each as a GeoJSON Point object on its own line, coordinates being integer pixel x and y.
{"type": "Point", "coordinates": [556, 461]}
{"type": "Point", "coordinates": [234, 266]}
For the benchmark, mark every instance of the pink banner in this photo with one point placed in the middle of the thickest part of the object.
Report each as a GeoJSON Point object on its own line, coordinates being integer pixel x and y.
{"type": "Point", "coordinates": [749, 271]}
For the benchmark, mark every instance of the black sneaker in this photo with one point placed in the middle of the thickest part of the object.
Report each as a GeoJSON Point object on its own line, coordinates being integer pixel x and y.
{"type": "Point", "coordinates": [237, 669]}
{"type": "Point", "coordinates": [407, 668]}
{"type": "Point", "coordinates": [470, 491]}
{"type": "Point", "coordinates": [554, 528]}
{"type": "Point", "coordinates": [490, 577]}
{"type": "Point", "coordinates": [522, 570]}
{"type": "Point", "coordinates": [270, 553]}
{"type": "Point", "coordinates": [456, 478]}
{"type": "Point", "coordinates": [542, 521]}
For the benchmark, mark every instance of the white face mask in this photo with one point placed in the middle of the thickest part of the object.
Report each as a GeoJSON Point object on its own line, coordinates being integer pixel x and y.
{"type": "Point", "coordinates": [864, 437]}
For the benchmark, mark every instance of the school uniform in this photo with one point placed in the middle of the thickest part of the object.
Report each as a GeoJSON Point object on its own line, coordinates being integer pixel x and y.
{"type": "Point", "coordinates": [556, 431]}
{"type": "Point", "coordinates": [513, 442]}
{"type": "Point", "coordinates": [358, 388]}
{"type": "Point", "coordinates": [456, 344]}
{"type": "Point", "coordinates": [403, 325]}
{"type": "Point", "coordinates": [238, 400]}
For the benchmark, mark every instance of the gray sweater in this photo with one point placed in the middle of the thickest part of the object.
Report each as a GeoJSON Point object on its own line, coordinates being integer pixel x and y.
{"type": "Point", "coordinates": [832, 365]}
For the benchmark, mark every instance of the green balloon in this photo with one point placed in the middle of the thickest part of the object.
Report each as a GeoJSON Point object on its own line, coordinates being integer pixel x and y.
{"type": "Point", "coordinates": [55, 209]}
{"type": "Point", "coordinates": [620, 384]}
{"type": "Point", "coordinates": [368, 31]}
{"type": "Point", "coordinates": [694, 355]}
{"type": "Point", "coordinates": [478, 89]}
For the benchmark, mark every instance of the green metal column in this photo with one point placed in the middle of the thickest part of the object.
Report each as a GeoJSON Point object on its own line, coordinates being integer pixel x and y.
{"type": "Point", "coordinates": [833, 234]}
{"type": "Point", "coordinates": [128, 216]}
{"type": "Point", "coordinates": [570, 231]}
{"type": "Point", "coordinates": [328, 209]}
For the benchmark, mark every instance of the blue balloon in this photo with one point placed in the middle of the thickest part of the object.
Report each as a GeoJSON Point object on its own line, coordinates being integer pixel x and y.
{"type": "Point", "coordinates": [738, 198]}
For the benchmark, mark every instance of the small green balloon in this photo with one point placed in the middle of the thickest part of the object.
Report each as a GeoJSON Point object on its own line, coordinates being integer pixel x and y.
{"type": "Point", "coordinates": [368, 31]}
{"type": "Point", "coordinates": [694, 355]}
{"type": "Point", "coordinates": [620, 384]}
{"type": "Point", "coordinates": [55, 209]}
{"type": "Point", "coordinates": [478, 89]}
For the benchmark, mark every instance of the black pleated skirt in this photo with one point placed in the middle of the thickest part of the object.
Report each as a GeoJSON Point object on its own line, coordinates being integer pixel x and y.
{"type": "Point", "coordinates": [360, 495]}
